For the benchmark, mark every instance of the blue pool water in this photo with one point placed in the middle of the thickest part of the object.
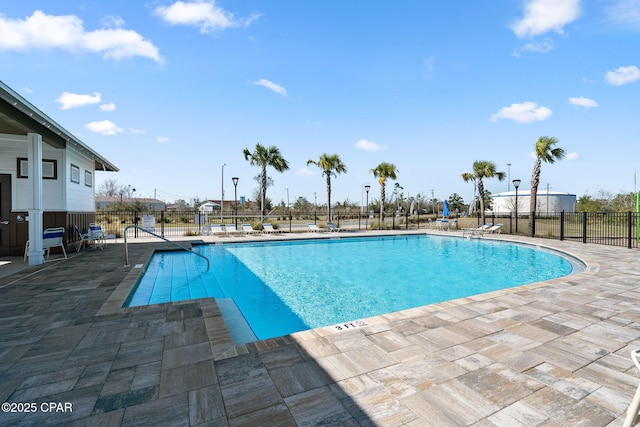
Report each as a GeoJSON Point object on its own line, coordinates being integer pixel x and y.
{"type": "Point", "coordinates": [285, 287]}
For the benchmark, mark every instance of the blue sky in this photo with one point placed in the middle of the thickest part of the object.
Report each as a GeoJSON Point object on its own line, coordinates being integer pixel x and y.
{"type": "Point", "coordinates": [170, 91]}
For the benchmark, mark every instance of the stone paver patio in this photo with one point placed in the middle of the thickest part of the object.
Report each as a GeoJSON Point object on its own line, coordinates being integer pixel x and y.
{"type": "Point", "coordinates": [554, 353]}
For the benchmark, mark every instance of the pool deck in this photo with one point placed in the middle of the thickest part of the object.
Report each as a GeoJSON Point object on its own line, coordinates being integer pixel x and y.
{"type": "Point", "coordinates": [554, 353]}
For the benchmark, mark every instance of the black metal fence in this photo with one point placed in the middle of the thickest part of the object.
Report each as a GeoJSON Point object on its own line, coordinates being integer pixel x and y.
{"type": "Point", "coordinates": [608, 228]}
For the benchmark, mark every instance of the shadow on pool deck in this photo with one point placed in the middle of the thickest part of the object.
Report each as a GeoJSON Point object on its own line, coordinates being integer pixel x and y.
{"type": "Point", "coordinates": [555, 352]}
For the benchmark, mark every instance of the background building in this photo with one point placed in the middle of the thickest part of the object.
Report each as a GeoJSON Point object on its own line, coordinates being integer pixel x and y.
{"type": "Point", "coordinates": [546, 202]}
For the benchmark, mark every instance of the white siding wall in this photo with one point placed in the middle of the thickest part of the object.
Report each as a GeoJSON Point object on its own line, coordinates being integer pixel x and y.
{"type": "Point", "coordinates": [58, 194]}
{"type": "Point", "coordinates": [80, 196]}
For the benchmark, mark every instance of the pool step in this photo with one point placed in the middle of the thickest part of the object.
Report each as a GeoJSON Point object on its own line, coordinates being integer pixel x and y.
{"type": "Point", "coordinates": [240, 330]}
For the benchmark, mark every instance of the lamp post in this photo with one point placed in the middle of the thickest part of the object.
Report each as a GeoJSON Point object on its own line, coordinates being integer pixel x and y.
{"type": "Point", "coordinates": [367, 188]}
{"type": "Point", "coordinates": [222, 198]}
{"type": "Point", "coordinates": [235, 197]}
{"type": "Point", "coordinates": [516, 184]}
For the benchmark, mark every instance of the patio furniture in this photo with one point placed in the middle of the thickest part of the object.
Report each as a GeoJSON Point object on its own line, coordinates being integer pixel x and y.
{"type": "Point", "coordinates": [313, 228]}
{"type": "Point", "coordinates": [332, 227]}
{"type": "Point", "coordinates": [268, 229]}
{"type": "Point", "coordinates": [84, 238]}
{"type": "Point", "coordinates": [51, 238]}
{"type": "Point", "coordinates": [248, 229]}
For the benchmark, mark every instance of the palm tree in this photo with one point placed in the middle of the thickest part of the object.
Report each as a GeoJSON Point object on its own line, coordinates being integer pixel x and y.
{"type": "Point", "coordinates": [482, 169]}
{"type": "Point", "coordinates": [331, 165]}
{"type": "Point", "coordinates": [544, 152]}
{"type": "Point", "coordinates": [383, 172]}
{"type": "Point", "coordinates": [265, 156]}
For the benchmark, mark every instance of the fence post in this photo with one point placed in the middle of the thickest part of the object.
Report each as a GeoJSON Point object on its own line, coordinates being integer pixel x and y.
{"type": "Point", "coordinates": [406, 219]}
{"type": "Point", "coordinates": [562, 225]}
{"type": "Point", "coordinates": [418, 219]}
{"type": "Point", "coordinates": [584, 227]}
{"type": "Point", "coordinates": [162, 223]}
{"type": "Point", "coordinates": [393, 221]}
{"type": "Point", "coordinates": [290, 219]}
{"type": "Point", "coordinates": [629, 228]}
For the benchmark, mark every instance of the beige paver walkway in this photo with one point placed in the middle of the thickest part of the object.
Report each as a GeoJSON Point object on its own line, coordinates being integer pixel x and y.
{"type": "Point", "coordinates": [554, 353]}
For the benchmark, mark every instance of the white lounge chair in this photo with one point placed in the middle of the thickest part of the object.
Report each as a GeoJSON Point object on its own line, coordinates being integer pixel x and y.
{"type": "Point", "coordinates": [51, 238]}
{"type": "Point", "coordinates": [232, 230]}
{"type": "Point", "coordinates": [248, 229]}
{"type": "Point", "coordinates": [217, 230]}
{"type": "Point", "coordinates": [332, 227]}
{"type": "Point", "coordinates": [314, 228]}
{"type": "Point", "coordinates": [476, 230]}
{"type": "Point", "coordinates": [268, 229]}
{"type": "Point", "coordinates": [497, 229]}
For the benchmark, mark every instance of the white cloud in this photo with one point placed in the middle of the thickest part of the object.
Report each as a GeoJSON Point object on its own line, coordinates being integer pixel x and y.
{"type": "Point", "coordinates": [539, 47]}
{"type": "Point", "coordinates": [304, 171]}
{"type": "Point", "coordinates": [74, 100]}
{"type": "Point", "coordinates": [623, 75]}
{"type": "Point", "coordinates": [271, 86]}
{"type": "Point", "coordinates": [66, 32]}
{"type": "Point", "coordinates": [203, 14]}
{"type": "Point", "coordinates": [624, 12]}
{"type": "Point", "coordinates": [366, 145]}
{"type": "Point", "coordinates": [137, 131]}
{"type": "Point", "coordinates": [108, 107]}
{"type": "Point", "coordinates": [542, 16]}
{"type": "Point", "coordinates": [524, 112]}
{"type": "Point", "coordinates": [162, 140]}
{"type": "Point", "coordinates": [583, 102]}
{"type": "Point", "coordinates": [104, 127]}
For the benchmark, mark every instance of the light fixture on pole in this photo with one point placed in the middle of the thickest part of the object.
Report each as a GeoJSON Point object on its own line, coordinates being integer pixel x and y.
{"type": "Point", "coordinates": [367, 188]}
{"type": "Point", "coordinates": [235, 197]}
{"type": "Point", "coordinates": [222, 198]}
{"type": "Point", "coordinates": [516, 184]}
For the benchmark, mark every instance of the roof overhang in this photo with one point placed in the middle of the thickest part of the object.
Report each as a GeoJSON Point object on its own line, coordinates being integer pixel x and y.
{"type": "Point", "coordinates": [19, 117]}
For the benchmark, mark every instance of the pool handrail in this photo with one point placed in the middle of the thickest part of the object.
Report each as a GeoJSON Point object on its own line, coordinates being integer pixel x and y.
{"type": "Point", "coordinates": [126, 247]}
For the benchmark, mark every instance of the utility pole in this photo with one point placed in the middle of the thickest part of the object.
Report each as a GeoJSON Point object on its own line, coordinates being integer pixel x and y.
{"type": "Point", "coordinates": [222, 198]}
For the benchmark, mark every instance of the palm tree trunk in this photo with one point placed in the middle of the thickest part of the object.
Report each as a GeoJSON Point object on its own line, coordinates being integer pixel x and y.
{"type": "Point", "coordinates": [263, 192]}
{"type": "Point", "coordinates": [328, 196]}
{"type": "Point", "coordinates": [533, 199]}
{"type": "Point", "coordinates": [481, 195]}
{"type": "Point", "coordinates": [382, 196]}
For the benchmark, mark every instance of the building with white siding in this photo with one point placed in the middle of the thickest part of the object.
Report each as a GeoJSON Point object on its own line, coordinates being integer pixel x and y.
{"type": "Point", "coordinates": [47, 177]}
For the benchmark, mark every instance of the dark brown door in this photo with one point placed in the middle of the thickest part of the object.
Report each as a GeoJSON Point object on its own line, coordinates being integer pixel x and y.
{"type": "Point", "coordinates": [5, 214]}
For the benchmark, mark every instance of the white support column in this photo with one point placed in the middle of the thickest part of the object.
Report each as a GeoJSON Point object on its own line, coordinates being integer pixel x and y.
{"type": "Point", "coordinates": [34, 146]}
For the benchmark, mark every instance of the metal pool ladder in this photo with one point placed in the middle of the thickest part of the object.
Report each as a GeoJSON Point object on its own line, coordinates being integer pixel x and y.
{"type": "Point", "coordinates": [126, 247]}
{"type": "Point", "coordinates": [632, 412]}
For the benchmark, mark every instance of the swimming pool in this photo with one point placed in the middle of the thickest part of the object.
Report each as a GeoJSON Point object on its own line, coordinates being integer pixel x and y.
{"type": "Point", "coordinates": [277, 288]}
